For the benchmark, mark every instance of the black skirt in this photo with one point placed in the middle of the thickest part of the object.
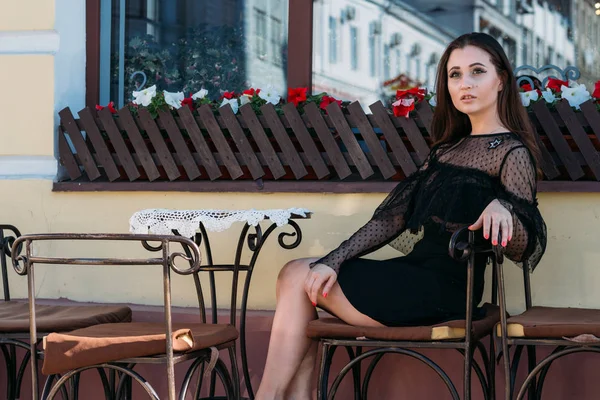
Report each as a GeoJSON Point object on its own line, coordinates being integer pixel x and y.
{"type": "Point", "coordinates": [423, 288]}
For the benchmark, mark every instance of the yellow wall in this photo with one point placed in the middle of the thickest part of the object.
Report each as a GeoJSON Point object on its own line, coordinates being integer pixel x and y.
{"type": "Point", "coordinates": [568, 274]}
{"type": "Point", "coordinates": [26, 15]}
{"type": "Point", "coordinates": [26, 115]}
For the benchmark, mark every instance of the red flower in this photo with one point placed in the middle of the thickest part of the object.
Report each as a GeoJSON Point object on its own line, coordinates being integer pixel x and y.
{"type": "Point", "coordinates": [555, 84]}
{"type": "Point", "coordinates": [327, 100]}
{"type": "Point", "coordinates": [596, 93]}
{"type": "Point", "coordinates": [403, 107]}
{"type": "Point", "coordinates": [251, 92]}
{"type": "Point", "coordinates": [415, 92]}
{"type": "Point", "coordinates": [296, 95]}
{"type": "Point", "coordinates": [527, 88]}
{"type": "Point", "coordinates": [188, 101]}
{"type": "Point", "coordinates": [228, 95]}
{"type": "Point", "coordinates": [111, 107]}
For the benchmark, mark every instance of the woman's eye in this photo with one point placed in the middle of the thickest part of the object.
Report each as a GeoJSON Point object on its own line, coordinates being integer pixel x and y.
{"type": "Point", "coordinates": [478, 71]}
{"type": "Point", "coordinates": [454, 74]}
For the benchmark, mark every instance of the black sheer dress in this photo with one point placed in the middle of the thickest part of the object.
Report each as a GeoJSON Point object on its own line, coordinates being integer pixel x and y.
{"type": "Point", "coordinates": [449, 191]}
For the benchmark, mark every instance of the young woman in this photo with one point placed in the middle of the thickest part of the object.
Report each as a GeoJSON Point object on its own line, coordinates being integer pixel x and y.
{"type": "Point", "coordinates": [481, 173]}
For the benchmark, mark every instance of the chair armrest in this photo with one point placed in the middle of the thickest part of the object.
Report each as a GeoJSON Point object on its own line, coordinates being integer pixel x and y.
{"type": "Point", "coordinates": [462, 244]}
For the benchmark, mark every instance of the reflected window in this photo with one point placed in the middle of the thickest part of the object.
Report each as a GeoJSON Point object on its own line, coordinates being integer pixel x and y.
{"type": "Point", "coordinates": [354, 48]}
{"type": "Point", "coordinates": [333, 40]}
{"type": "Point", "coordinates": [391, 63]}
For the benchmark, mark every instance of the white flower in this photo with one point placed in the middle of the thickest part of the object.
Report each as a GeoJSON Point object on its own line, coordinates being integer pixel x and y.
{"type": "Point", "coordinates": [270, 95]}
{"type": "Point", "coordinates": [548, 96]}
{"type": "Point", "coordinates": [144, 97]}
{"type": "Point", "coordinates": [527, 97]}
{"type": "Point", "coordinates": [174, 99]}
{"type": "Point", "coordinates": [575, 95]}
{"type": "Point", "coordinates": [232, 102]}
{"type": "Point", "coordinates": [200, 94]}
{"type": "Point", "coordinates": [433, 101]}
{"type": "Point", "coordinates": [244, 99]}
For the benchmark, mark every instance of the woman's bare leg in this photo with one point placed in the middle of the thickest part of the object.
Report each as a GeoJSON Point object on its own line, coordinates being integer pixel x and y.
{"type": "Point", "coordinates": [289, 345]}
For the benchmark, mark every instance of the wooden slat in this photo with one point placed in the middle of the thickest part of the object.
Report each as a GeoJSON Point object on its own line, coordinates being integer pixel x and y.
{"type": "Point", "coordinates": [286, 145]}
{"type": "Point", "coordinates": [206, 156]}
{"type": "Point", "coordinates": [241, 142]}
{"type": "Point", "coordinates": [160, 147]}
{"type": "Point", "coordinates": [557, 139]}
{"type": "Point", "coordinates": [547, 162]}
{"type": "Point", "coordinates": [341, 125]}
{"type": "Point", "coordinates": [373, 143]}
{"type": "Point", "coordinates": [214, 130]}
{"type": "Point", "coordinates": [118, 143]}
{"type": "Point", "coordinates": [583, 141]}
{"type": "Point", "coordinates": [181, 148]}
{"type": "Point", "coordinates": [329, 144]}
{"type": "Point", "coordinates": [103, 156]}
{"type": "Point", "coordinates": [88, 162]}
{"type": "Point", "coordinates": [393, 138]}
{"type": "Point", "coordinates": [306, 141]}
{"type": "Point", "coordinates": [592, 116]}
{"type": "Point", "coordinates": [262, 141]}
{"type": "Point", "coordinates": [426, 115]}
{"type": "Point", "coordinates": [415, 137]}
{"type": "Point", "coordinates": [141, 150]}
{"type": "Point", "coordinates": [66, 157]}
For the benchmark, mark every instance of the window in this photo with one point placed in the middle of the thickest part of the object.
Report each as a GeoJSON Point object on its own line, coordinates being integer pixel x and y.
{"type": "Point", "coordinates": [354, 48]}
{"type": "Point", "coordinates": [276, 41]}
{"type": "Point", "coordinates": [418, 66]}
{"type": "Point", "coordinates": [386, 62]}
{"type": "Point", "coordinates": [372, 56]}
{"type": "Point", "coordinates": [187, 45]}
{"type": "Point", "coordinates": [333, 40]}
{"type": "Point", "coordinates": [260, 35]}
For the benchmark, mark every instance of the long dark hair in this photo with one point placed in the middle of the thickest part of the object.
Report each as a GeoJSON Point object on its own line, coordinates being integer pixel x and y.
{"type": "Point", "coordinates": [449, 124]}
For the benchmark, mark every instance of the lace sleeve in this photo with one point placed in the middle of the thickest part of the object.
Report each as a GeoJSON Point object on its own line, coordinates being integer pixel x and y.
{"type": "Point", "coordinates": [518, 178]}
{"type": "Point", "coordinates": [387, 223]}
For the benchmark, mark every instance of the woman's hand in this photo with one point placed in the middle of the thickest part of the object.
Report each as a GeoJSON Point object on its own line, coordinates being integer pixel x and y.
{"type": "Point", "coordinates": [499, 219]}
{"type": "Point", "coordinates": [318, 276]}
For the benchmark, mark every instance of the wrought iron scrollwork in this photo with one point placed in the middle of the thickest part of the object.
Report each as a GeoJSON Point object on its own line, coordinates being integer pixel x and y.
{"type": "Point", "coordinates": [569, 73]}
{"type": "Point", "coordinates": [255, 240]}
{"type": "Point", "coordinates": [141, 85]}
{"type": "Point", "coordinates": [149, 247]}
{"type": "Point", "coordinates": [193, 261]}
{"type": "Point", "coordinates": [297, 234]}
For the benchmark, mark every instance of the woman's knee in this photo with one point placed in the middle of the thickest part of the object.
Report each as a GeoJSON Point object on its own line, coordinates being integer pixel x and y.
{"type": "Point", "coordinates": [295, 270]}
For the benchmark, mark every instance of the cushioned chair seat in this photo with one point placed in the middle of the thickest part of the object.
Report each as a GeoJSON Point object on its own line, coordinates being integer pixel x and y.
{"type": "Point", "coordinates": [550, 322]}
{"type": "Point", "coordinates": [112, 342]}
{"type": "Point", "coordinates": [451, 330]}
{"type": "Point", "coordinates": [14, 317]}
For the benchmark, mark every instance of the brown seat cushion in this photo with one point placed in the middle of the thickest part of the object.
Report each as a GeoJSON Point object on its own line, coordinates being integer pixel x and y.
{"type": "Point", "coordinates": [14, 316]}
{"type": "Point", "coordinates": [451, 330]}
{"type": "Point", "coordinates": [551, 322]}
{"type": "Point", "coordinates": [112, 342]}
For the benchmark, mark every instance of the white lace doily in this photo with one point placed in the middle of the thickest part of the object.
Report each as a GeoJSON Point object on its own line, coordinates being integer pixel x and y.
{"type": "Point", "coordinates": [186, 222]}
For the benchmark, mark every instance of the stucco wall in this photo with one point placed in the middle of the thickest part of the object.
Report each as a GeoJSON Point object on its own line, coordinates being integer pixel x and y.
{"type": "Point", "coordinates": [47, 77]}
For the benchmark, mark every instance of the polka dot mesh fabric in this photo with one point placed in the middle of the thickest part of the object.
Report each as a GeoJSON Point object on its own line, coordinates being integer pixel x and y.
{"type": "Point", "coordinates": [451, 189]}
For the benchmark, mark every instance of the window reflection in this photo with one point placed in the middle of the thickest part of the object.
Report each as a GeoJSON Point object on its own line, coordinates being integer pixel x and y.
{"type": "Point", "coordinates": [400, 42]}
{"type": "Point", "coordinates": [186, 45]}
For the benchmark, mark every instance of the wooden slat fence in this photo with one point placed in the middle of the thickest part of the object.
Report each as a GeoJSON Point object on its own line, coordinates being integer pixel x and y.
{"type": "Point", "coordinates": [350, 146]}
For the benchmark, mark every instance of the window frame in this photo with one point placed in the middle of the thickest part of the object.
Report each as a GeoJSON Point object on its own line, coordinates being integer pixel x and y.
{"type": "Point", "coordinates": [300, 48]}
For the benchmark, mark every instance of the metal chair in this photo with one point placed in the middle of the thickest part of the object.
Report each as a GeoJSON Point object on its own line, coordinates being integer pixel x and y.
{"type": "Point", "coordinates": [205, 339]}
{"type": "Point", "coordinates": [14, 319]}
{"type": "Point", "coordinates": [464, 336]}
{"type": "Point", "coordinates": [568, 330]}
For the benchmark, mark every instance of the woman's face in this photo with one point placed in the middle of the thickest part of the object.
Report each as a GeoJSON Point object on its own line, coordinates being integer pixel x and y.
{"type": "Point", "coordinates": [473, 82]}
